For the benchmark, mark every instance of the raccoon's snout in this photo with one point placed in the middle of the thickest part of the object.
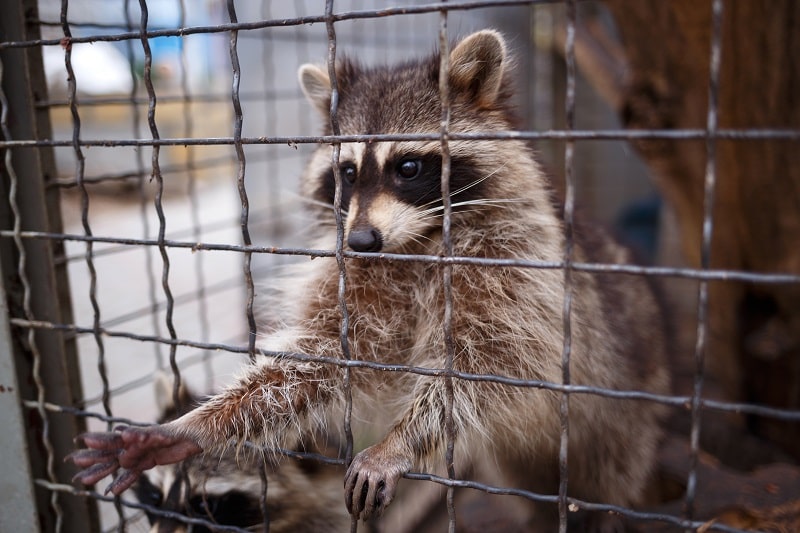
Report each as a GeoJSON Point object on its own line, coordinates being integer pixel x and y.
{"type": "Point", "coordinates": [365, 239]}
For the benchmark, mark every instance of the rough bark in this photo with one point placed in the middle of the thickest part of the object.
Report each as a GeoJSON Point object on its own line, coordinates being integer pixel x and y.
{"type": "Point", "coordinates": [754, 345]}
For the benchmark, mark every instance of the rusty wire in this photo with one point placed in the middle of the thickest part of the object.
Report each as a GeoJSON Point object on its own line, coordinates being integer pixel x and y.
{"type": "Point", "coordinates": [709, 186]}
{"type": "Point", "coordinates": [141, 186]}
{"type": "Point", "coordinates": [566, 321]}
{"type": "Point", "coordinates": [447, 271]}
{"type": "Point", "coordinates": [711, 274]}
{"type": "Point", "coordinates": [158, 201]}
{"type": "Point", "coordinates": [191, 192]}
{"type": "Point", "coordinates": [238, 121]}
{"type": "Point", "coordinates": [751, 134]}
{"type": "Point", "coordinates": [344, 328]}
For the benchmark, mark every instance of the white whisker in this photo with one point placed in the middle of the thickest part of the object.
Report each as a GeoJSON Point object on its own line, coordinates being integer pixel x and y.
{"type": "Point", "coordinates": [467, 186]}
{"type": "Point", "coordinates": [318, 203]}
{"type": "Point", "coordinates": [494, 202]}
{"type": "Point", "coordinates": [476, 182]}
{"type": "Point", "coordinates": [479, 202]}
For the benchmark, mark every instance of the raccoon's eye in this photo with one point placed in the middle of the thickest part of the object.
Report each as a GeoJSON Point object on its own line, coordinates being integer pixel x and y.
{"type": "Point", "coordinates": [204, 506]}
{"type": "Point", "coordinates": [409, 168]}
{"type": "Point", "coordinates": [147, 492]}
{"type": "Point", "coordinates": [348, 171]}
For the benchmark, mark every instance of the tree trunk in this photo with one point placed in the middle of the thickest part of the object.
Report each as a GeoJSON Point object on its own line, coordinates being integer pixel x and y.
{"type": "Point", "coordinates": [754, 343]}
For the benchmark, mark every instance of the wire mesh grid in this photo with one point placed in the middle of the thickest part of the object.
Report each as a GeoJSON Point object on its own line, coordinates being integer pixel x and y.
{"type": "Point", "coordinates": [180, 178]}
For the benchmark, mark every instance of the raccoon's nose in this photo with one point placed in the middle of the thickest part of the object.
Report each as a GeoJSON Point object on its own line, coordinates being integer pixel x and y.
{"type": "Point", "coordinates": [365, 240]}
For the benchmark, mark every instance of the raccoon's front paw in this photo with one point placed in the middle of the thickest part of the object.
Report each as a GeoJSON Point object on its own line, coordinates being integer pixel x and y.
{"type": "Point", "coordinates": [131, 450]}
{"type": "Point", "coordinates": [371, 481]}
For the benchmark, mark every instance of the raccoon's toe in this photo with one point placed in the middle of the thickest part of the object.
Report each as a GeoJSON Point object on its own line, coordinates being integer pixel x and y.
{"type": "Point", "coordinates": [371, 481]}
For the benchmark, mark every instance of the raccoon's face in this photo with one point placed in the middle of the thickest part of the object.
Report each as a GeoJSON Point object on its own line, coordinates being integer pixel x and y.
{"type": "Point", "coordinates": [231, 498]}
{"type": "Point", "coordinates": [392, 191]}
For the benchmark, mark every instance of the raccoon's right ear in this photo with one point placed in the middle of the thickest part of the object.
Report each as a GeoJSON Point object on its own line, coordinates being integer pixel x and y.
{"type": "Point", "coordinates": [316, 86]}
{"type": "Point", "coordinates": [477, 65]}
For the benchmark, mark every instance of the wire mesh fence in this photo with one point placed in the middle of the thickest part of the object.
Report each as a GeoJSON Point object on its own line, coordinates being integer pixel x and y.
{"type": "Point", "coordinates": [168, 200]}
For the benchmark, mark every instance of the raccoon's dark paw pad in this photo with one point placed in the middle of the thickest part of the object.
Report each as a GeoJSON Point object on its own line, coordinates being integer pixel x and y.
{"type": "Point", "coordinates": [371, 482]}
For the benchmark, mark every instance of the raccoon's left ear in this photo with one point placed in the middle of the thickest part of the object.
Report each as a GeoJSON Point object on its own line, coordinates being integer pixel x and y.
{"type": "Point", "coordinates": [316, 86]}
{"type": "Point", "coordinates": [477, 64]}
{"type": "Point", "coordinates": [163, 384]}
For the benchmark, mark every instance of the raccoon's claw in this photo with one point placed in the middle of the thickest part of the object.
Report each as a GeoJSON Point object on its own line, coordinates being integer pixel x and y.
{"type": "Point", "coordinates": [95, 472]}
{"type": "Point", "coordinates": [371, 482]}
{"type": "Point", "coordinates": [122, 482]}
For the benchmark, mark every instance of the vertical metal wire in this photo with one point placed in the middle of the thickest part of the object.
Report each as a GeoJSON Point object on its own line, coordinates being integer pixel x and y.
{"type": "Point", "coordinates": [339, 251]}
{"type": "Point", "coordinates": [238, 120]}
{"type": "Point", "coordinates": [79, 180]}
{"type": "Point", "coordinates": [142, 186]}
{"type": "Point", "coordinates": [80, 167]}
{"type": "Point", "coordinates": [159, 179]}
{"type": "Point", "coordinates": [273, 171]}
{"type": "Point", "coordinates": [191, 191]}
{"type": "Point", "coordinates": [447, 271]}
{"type": "Point", "coordinates": [194, 207]}
{"type": "Point", "coordinates": [709, 186]}
{"type": "Point", "coordinates": [22, 273]}
{"type": "Point", "coordinates": [263, 499]}
{"type": "Point", "coordinates": [569, 207]}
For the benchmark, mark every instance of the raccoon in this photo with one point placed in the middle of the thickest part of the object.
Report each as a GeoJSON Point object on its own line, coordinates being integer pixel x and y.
{"type": "Point", "coordinates": [506, 320]}
{"type": "Point", "coordinates": [302, 496]}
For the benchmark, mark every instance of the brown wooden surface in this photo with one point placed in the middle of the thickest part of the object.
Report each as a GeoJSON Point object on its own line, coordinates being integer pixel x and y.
{"type": "Point", "coordinates": [766, 499]}
{"type": "Point", "coordinates": [657, 76]}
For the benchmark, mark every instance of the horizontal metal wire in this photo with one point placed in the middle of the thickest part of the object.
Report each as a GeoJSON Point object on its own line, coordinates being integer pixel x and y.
{"type": "Point", "coordinates": [598, 268]}
{"type": "Point", "coordinates": [263, 216]}
{"type": "Point", "coordinates": [209, 290]}
{"type": "Point", "coordinates": [185, 363]}
{"type": "Point", "coordinates": [285, 94]}
{"type": "Point", "coordinates": [564, 135]}
{"type": "Point", "coordinates": [69, 489]}
{"type": "Point", "coordinates": [675, 401]}
{"type": "Point", "coordinates": [295, 21]}
{"type": "Point", "coordinates": [75, 411]}
{"type": "Point", "coordinates": [197, 165]}
{"type": "Point", "coordinates": [316, 38]}
{"type": "Point", "coordinates": [575, 503]}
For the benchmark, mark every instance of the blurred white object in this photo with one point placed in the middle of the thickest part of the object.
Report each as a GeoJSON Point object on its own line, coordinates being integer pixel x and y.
{"type": "Point", "coordinates": [99, 69]}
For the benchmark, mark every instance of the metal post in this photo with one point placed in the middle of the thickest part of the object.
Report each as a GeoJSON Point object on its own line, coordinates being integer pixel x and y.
{"type": "Point", "coordinates": [17, 504]}
{"type": "Point", "coordinates": [24, 84]}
